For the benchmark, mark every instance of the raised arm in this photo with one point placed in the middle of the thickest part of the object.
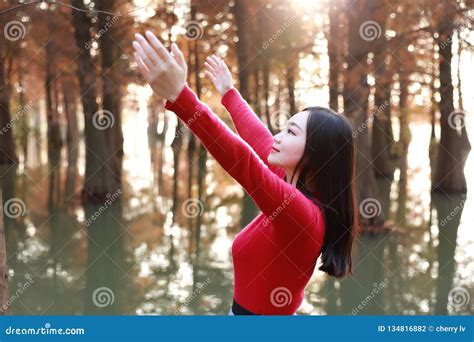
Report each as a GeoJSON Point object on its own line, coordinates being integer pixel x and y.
{"type": "Point", "coordinates": [277, 199]}
{"type": "Point", "coordinates": [246, 122]}
{"type": "Point", "coordinates": [250, 127]}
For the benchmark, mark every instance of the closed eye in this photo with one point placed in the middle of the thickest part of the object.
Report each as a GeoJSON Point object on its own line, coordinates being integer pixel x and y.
{"type": "Point", "coordinates": [290, 131]}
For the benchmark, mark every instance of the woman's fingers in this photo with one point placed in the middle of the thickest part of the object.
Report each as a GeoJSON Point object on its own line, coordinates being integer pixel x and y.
{"type": "Point", "coordinates": [148, 49]}
{"type": "Point", "coordinates": [215, 59]}
{"type": "Point", "coordinates": [220, 64]}
{"type": "Point", "coordinates": [146, 60]}
{"type": "Point", "coordinates": [143, 69]}
{"type": "Point", "coordinates": [210, 68]}
{"type": "Point", "coordinates": [218, 61]}
{"type": "Point", "coordinates": [212, 62]}
{"type": "Point", "coordinates": [178, 55]}
{"type": "Point", "coordinates": [210, 76]}
{"type": "Point", "coordinates": [224, 66]}
{"type": "Point", "coordinates": [158, 46]}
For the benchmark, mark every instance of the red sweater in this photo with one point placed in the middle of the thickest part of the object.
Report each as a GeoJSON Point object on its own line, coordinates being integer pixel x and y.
{"type": "Point", "coordinates": [274, 256]}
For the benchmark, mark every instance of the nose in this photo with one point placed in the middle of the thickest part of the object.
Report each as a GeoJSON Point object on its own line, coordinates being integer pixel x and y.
{"type": "Point", "coordinates": [276, 138]}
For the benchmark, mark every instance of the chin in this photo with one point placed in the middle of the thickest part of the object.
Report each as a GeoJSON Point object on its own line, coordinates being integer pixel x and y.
{"type": "Point", "coordinates": [271, 161]}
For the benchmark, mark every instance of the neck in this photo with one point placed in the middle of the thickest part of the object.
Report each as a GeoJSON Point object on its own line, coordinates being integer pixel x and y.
{"type": "Point", "coordinates": [289, 174]}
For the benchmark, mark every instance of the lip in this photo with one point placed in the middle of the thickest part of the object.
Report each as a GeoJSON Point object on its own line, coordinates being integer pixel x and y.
{"type": "Point", "coordinates": [274, 149]}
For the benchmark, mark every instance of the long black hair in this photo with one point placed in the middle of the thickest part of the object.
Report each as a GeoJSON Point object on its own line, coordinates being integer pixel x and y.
{"type": "Point", "coordinates": [327, 177]}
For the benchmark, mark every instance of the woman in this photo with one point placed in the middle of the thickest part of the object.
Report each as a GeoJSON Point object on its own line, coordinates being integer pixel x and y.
{"type": "Point", "coordinates": [302, 180]}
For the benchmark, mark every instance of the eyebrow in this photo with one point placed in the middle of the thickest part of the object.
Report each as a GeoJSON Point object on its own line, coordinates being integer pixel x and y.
{"type": "Point", "coordinates": [292, 123]}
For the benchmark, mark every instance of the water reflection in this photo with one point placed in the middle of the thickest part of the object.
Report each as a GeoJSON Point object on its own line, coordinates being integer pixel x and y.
{"type": "Point", "coordinates": [136, 257]}
{"type": "Point", "coordinates": [449, 210]}
{"type": "Point", "coordinates": [108, 289]}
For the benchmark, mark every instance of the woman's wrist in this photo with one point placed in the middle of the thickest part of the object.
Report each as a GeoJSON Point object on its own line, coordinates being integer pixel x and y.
{"type": "Point", "coordinates": [175, 95]}
{"type": "Point", "coordinates": [226, 90]}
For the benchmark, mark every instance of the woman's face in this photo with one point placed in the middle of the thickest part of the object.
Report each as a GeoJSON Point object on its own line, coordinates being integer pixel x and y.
{"type": "Point", "coordinates": [289, 144]}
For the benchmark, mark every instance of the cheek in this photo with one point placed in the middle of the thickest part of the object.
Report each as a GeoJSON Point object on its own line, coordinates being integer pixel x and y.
{"type": "Point", "coordinates": [290, 154]}
{"type": "Point", "coordinates": [294, 152]}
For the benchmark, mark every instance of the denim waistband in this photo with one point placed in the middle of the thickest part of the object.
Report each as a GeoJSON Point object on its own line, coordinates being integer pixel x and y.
{"type": "Point", "coordinates": [238, 309]}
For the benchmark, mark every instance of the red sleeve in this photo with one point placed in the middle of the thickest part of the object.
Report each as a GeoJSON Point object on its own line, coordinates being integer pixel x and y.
{"type": "Point", "coordinates": [250, 127]}
{"type": "Point", "coordinates": [276, 199]}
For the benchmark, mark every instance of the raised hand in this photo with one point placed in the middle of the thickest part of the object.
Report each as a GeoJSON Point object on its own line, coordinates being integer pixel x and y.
{"type": "Point", "coordinates": [166, 73]}
{"type": "Point", "coordinates": [219, 74]}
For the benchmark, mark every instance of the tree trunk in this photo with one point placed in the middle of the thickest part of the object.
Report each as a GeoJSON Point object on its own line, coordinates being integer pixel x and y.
{"type": "Point", "coordinates": [459, 86]}
{"type": "Point", "coordinates": [191, 157]}
{"type": "Point", "coordinates": [53, 133]}
{"type": "Point", "coordinates": [24, 118]}
{"type": "Point", "coordinates": [176, 146]}
{"type": "Point", "coordinates": [265, 65]}
{"type": "Point", "coordinates": [3, 263]}
{"type": "Point", "coordinates": [404, 142]}
{"type": "Point", "coordinates": [446, 249]}
{"type": "Point", "coordinates": [334, 55]}
{"type": "Point", "coordinates": [7, 144]}
{"type": "Point", "coordinates": [290, 82]}
{"type": "Point", "coordinates": [72, 138]}
{"type": "Point", "coordinates": [202, 157]}
{"type": "Point", "coordinates": [99, 179]}
{"type": "Point", "coordinates": [256, 89]}
{"type": "Point", "coordinates": [192, 143]}
{"type": "Point", "coordinates": [433, 146]}
{"type": "Point", "coordinates": [52, 115]}
{"type": "Point", "coordinates": [111, 84]}
{"type": "Point", "coordinates": [454, 145]}
{"type": "Point", "coordinates": [152, 135]}
{"type": "Point", "coordinates": [356, 93]}
{"type": "Point", "coordinates": [191, 152]}
{"type": "Point", "coordinates": [266, 93]}
{"type": "Point", "coordinates": [161, 150]}
{"type": "Point", "coordinates": [249, 209]}
{"type": "Point", "coordinates": [381, 142]}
